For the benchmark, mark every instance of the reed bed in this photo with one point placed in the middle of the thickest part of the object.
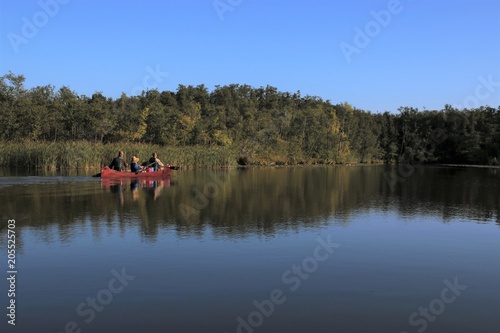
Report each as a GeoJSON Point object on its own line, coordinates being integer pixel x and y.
{"type": "Point", "coordinates": [89, 155]}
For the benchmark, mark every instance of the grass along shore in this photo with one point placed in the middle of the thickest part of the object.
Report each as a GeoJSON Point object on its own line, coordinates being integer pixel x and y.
{"type": "Point", "coordinates": [88, 155]}
{"type": "Point", "coordinates": [91, 155]}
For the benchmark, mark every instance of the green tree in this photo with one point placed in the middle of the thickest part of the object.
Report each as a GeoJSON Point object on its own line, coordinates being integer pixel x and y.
{"type": "Point", "coordinates": [100, 119]}
{"type": "Point", "coordinates": [71, 110]}
{"type": "Point", "coordinates": [46, 119]}
{"type": "Point", "coordinates": [13, 103]}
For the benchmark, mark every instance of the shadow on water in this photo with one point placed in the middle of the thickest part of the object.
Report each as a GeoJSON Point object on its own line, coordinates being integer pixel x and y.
{"type": "Point", "coordinates": [240, 202]}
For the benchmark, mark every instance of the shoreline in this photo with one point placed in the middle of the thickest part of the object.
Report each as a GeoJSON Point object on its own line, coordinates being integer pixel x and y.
{"type": "Point", "coordinates": [83, 155]}
{"type": "Point", "coordinates": [468, 166]}
{"type": "Point", "coordinates": [93, 169]}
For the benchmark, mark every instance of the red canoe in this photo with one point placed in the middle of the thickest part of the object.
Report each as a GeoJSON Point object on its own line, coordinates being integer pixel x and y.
{"type": "Point", "coordinates": [109, 173]}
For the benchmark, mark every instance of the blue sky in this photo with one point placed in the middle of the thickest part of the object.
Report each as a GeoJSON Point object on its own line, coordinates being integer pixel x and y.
{"type": "Point", "coordinates": [376, 55]}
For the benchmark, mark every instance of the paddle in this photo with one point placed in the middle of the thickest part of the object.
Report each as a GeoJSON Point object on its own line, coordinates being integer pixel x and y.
{"type": "Point", "coordinates": [172, 167]}
{"type": "Point", "coordinates": [144, 168]}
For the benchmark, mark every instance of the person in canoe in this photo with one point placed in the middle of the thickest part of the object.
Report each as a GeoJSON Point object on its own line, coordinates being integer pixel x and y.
{"type": "Point", "coordinates": [134, 167]}
{"type": "Point", "coordinates": [118, 163]}
{"type": "Point", "coordinates": [155, 162]}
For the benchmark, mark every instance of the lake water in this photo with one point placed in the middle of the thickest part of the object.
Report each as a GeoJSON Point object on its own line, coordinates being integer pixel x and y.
{"type": "Point", "coordinates": [304, 249]}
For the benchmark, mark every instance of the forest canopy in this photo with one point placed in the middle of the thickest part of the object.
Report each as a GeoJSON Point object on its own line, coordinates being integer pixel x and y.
{"type": "Point", "coordinates": [258, 124]}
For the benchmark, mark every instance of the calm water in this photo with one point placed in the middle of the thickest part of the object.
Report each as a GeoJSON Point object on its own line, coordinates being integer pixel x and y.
{"type": "Point", "coordinates": [316, 249]}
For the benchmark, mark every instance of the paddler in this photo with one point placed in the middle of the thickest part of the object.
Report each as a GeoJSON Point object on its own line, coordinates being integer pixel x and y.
{"type": "Point", "coordinates": [134, 167]}
{"type": "Point", "coordinates": [118, 163]}
{"type": "Point", "coordinates": [155, 162]}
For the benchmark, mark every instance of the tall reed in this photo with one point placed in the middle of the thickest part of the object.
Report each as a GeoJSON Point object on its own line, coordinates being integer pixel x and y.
{"type": "Point", "coordinates": [89, 155]}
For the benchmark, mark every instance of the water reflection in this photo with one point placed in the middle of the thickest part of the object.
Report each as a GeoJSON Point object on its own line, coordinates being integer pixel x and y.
{"type": "Point", "coordinates": [136, 188]}
{"type": "Point", "coordinates": [264, 201]}
{"type": "Point", "coordinates": [206, 245]}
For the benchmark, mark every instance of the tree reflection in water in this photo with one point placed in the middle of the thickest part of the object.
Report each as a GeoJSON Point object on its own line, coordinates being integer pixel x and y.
{"type": "Point", "coordinates": [256, 200]}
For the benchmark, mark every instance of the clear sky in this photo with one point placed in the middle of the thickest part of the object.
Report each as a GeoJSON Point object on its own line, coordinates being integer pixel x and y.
{"type": "Point", "coordinates": [377, 55]}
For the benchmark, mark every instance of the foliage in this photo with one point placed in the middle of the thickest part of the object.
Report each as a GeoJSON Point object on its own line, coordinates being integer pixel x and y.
{"type": "Point", "coordinates": [85, 154]}
{"type": "Point", "coordinates": [250, 125]}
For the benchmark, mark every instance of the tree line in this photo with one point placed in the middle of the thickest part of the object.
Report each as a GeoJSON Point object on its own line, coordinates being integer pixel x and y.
{"type": "Point", "coordinates": [260, 124]}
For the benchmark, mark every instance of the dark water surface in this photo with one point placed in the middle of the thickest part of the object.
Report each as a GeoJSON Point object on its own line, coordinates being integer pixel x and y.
{"type": "Point", "coordinates": [314, 249]}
